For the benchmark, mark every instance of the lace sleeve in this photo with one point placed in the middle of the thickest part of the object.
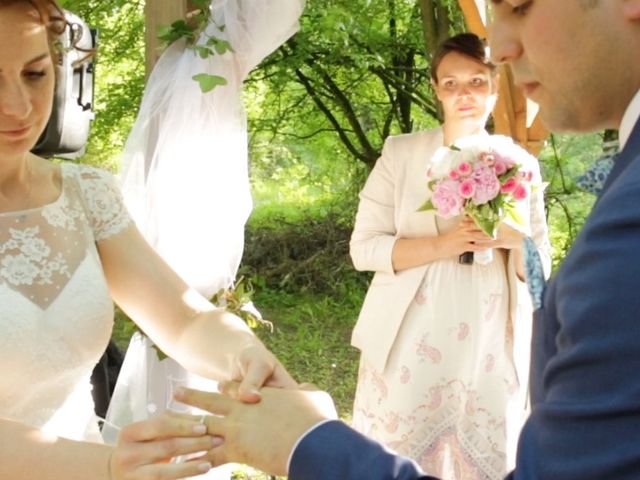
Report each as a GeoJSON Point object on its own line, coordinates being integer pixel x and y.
{"type": "Point", "coordinates": [106, 212]}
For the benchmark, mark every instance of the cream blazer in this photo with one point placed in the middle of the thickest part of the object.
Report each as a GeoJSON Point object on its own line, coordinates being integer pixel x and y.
{"type": "Point", "coordinates": [389, 201]}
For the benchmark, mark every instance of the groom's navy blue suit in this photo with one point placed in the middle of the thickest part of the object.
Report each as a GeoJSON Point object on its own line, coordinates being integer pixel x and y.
{"type": "Point", "coordinates": [585, 378]}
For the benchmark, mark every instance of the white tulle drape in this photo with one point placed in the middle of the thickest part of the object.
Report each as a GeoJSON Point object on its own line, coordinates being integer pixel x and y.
{"type": "Point", "coordinates": [184, 170]}
{"type": "Point", "coordinates": [184, 177]}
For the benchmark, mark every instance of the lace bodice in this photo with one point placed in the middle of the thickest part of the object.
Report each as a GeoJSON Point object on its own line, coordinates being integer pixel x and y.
{"type": "Point", "coordinates": [56, 314]}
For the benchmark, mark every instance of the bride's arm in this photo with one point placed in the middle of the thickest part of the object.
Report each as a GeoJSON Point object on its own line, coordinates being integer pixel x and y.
{"type": "Point", "coordinates": [28, 453]}
{"type": "Point", "coordinates": [205, 340]}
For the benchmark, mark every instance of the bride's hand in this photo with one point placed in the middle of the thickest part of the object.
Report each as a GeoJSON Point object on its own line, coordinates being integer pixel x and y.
{"type": "Point", "coordinates": [255, 367]}
{"type": "Point", "coordinates": [145, 449]}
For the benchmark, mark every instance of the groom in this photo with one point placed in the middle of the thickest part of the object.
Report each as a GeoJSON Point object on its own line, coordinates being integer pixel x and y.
{"type": "Point", "coordinates": [580, 61]}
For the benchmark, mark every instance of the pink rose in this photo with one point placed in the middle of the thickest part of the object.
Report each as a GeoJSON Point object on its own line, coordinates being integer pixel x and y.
{"type": "Point", "coordinates": [467, 188]}
{"type": "Point", "coordinates": [520, 192]}
{"type": "Point", "coordinates": [509, 186]}
{"type": "Point", "coordinates": [446, 199]}
{"type": "Point", "coordinates": [500, 168]}
{"type": "Point", "coordinates": [464, 168]}
{"type": "Point", "coordinates": [487, 185]}
{"type": "Point", "coordinates": [502, 163]}
{"type": "Point", "coordinates": [453, 175]}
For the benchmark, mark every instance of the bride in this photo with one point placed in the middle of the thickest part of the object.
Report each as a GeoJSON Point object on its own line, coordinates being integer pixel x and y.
{"type": "Point", "coordinates": [67, 248]}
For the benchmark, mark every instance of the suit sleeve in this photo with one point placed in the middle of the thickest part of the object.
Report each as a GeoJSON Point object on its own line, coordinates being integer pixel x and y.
{"type": "Point", "coordinates": [585, 422]}
{"type": "Point", "coordinates": [374, 231]}
{"type": "Point", "coordinates": [335, 451]}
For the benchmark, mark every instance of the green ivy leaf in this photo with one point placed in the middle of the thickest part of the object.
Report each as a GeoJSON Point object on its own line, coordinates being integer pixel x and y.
{"type": "Point", "coordinates": [209, 82]}
{"type": "Point", "coordinates": [204, 52]}
{"type": "Point", "coordinates": [177, 30]}
{"type": "Point", "coordinates": [234, 299]}
{"type": "Point", "coordinates": [426, 206]}
{"type": "Point", "coordinates": [513, 213]}
{"type": "Point", "coordinates": [221, 46]}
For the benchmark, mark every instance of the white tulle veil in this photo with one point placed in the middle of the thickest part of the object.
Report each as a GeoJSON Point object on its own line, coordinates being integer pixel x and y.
{"type": "Point", "coordinates": [184, 168]}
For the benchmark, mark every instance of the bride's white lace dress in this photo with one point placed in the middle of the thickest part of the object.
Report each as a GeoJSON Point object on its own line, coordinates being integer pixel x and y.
{"type": "Point", "coordinates": [56, 314]}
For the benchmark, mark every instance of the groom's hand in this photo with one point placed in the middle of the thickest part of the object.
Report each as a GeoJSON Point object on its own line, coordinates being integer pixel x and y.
{"type": "Point", "coordinates": [262, 434]}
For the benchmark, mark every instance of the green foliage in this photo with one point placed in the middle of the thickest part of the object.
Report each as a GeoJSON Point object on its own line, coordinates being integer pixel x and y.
{"type": "Point", "coordinates": [355, 73]}
{"type": "Point", "coordinates": [177, 30]}
{"type": "Point", "coordinates": [119, 74]}
{"type": "Point", "coordinates": [209, 82]}
{"type": "Point", "coordinates": [298, 259]}
{"type": "Point", "coordinates": [238, 300]}
{"type": "Point", "coordinates": [192, 31]}
{"type": "Point", "coordinates": [563, 159]}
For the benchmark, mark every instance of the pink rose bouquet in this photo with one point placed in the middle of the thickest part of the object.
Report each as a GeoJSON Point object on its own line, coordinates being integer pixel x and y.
{"type": "Point", "coordinates": [480, 177]}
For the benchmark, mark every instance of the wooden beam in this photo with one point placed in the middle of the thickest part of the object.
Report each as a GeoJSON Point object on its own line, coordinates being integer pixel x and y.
{"type": "Point", "coordinates": [503, 114]}
{"type": "Point", "coordinates": [474, 16]}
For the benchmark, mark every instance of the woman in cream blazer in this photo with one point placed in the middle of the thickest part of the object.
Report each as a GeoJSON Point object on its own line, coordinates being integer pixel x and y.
{"type": "Point", "coordinates": [423, 392]}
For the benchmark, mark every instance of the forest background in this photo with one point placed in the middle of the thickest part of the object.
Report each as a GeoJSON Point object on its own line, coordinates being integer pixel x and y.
{"type": "Point", "coordinates": [319, 109]}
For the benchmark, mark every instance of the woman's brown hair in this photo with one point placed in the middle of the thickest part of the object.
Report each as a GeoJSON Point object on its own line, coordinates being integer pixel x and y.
{"type": "Point", "coordinates": [51, 15]}
{"type": "Point", "coordinates": [467, 44]}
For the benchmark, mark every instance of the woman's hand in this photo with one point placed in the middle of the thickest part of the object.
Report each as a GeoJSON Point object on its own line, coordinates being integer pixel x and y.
{"type": "Point", "coordinates": [145, 449]}
{"type": "Point", "coordinates": [466, 237]}
{"type": "Point", "coordinates": [507, 237]}
{"type": "Point", "coordinates": [254, 367]}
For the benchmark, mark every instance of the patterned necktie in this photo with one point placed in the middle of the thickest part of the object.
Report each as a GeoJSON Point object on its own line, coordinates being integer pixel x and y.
{"type": "Point", "coordinates": [534, 273]}
{"type": "Point", "coordinates": [595, 177]}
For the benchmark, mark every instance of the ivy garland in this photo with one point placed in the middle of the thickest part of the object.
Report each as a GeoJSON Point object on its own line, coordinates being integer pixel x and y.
{"type": "Point", "coordinates": [192, 30]}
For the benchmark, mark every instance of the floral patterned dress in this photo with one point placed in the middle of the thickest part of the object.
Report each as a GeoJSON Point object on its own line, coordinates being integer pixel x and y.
{"type": "Point", "coordinates": [56, 313]}
{"type": "Point", "coordinates": [445, 346]}
{"type": "Point", "coordinates": [442, 396]}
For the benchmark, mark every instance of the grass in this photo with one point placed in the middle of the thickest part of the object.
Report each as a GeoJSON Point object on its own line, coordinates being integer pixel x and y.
{"type": "Point", "coordinates": [311, 337]}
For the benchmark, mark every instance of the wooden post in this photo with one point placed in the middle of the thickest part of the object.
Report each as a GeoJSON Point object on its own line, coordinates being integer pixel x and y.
{"type": "Point", "coordinates": [474, 16]}
{"type": "Point", "coordinates": [160, 13]}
